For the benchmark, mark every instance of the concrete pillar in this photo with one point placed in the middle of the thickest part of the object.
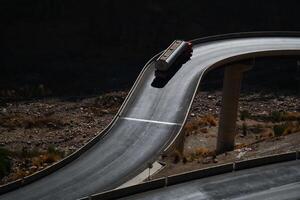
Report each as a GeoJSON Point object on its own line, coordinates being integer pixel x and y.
{"type": "Point", "coordinates": [228, 116]}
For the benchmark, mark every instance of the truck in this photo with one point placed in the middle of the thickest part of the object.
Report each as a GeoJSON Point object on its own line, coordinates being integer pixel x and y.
{"type": "Point", "coordinates": [172, 58]}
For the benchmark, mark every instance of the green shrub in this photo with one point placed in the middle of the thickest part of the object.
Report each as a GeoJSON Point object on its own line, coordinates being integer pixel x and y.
{"type": "Point", "coordinates": [25, 152]}
{"type": "Point", "coordinates": [5, 163]}
{"type": "Point", "coordinates": [258, 128]}
{"type": "Point", "coordinates": [244, 114]}
{"type": "Point", "coordinates": [244, 128]}
{"type": "Point", "coordinates": [291, 116]}
{"type": "Point", "coordinates": [279, 129]}
{"type": "Point", "coordinates": [52, 150]}
{"type": "Point", "coordinates": [276, 116]}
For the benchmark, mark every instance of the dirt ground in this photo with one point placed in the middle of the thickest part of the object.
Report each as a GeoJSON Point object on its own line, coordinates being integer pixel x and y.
{"type": "Point", "coordinates": [267, 124]}
{"type": "Point", "coordinates": [38, 133]}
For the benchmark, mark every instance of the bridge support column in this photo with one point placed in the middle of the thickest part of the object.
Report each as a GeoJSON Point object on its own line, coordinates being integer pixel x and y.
{"type": "Point", "coordinates": [228, 116]}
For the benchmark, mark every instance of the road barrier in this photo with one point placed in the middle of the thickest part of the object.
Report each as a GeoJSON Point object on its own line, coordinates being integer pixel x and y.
{"type": "Point", "coordinates": [193, 175]}
{"type": "Point", "coordinates": [114, 194]}
{"type": "Point", "coordinates": [197, 174]}
{"type": "Point", "coordinates": [265, 160]}
{"type": "Point", "coordinates": [11, 186]}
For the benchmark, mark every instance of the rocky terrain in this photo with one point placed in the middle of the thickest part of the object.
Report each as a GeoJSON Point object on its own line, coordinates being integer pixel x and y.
{"type": "Point", "coordinates": [267, 124]}
{"type": "Point", "coordinates": [35, 134]}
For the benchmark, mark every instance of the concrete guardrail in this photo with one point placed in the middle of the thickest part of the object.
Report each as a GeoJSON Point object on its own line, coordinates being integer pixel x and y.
{"type": "Point", "coordinates": [197, 174]}
{"type": "Point", "coordinates": [246, 164]}
{"type": "Point", "coordinates": [143, 187]}
{"type": "Point", "coordinates": [193, 175]}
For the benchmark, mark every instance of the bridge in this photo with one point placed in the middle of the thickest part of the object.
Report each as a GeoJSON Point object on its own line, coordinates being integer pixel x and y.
{"type": "Point", "coordinates": [151, 119]}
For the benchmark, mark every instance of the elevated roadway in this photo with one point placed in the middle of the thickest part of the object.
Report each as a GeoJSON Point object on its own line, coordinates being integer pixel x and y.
{"type": "Point", "coordinates": [149, 120]}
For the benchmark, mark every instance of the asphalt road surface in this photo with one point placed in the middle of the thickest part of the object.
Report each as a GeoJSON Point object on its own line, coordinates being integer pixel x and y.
{"type": "Point", "coordinates": [273, 182]}
{"type": "Point", "coordinates": [150, 121]}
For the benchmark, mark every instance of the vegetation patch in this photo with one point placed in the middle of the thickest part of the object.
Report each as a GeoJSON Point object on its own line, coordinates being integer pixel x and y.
{"type": "Point", "coordinates": [279, 129]}
{"type": "Point", "coordinates": [199, 124]}
{"type": "Point", "coordinates": [5, 162]}
{"type": "Point", "coordinates": [276, 116]}
{"type": "Point", "coordinates": [244, 114]}
{"type": "Point", "coordinates": [28, 122]}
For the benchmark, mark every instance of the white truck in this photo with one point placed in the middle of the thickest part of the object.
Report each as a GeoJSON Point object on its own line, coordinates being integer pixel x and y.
{"type": "Point", "coordinates": [175, 55]}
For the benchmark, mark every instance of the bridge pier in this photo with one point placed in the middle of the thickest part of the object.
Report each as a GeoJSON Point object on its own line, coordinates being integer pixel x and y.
{"type": "Point", "coordinates": [230, 99]}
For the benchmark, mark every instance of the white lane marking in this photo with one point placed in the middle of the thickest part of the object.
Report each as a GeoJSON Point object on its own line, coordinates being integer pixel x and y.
{"type": "Point", "coordinates": [150, 121]}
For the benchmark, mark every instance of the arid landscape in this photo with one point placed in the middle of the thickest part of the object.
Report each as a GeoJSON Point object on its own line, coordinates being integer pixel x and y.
{"type": "Point", "coordinates": [35, 134]}
{"type": "Point", "coordinates": [38, 133]}
{"type": "Point", "coordinates": [267, 124]}
{"type": "Point", "coordinates": [149, 100]}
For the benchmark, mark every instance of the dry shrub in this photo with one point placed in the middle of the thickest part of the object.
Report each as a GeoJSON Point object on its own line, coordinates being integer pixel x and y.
{"type": "Point", "coordinates": [199, 123]}
{"type": "Point", "coordinates": [239, 146]}
{"type": "Point", "coordinates": [210, 120]}
{"type": "Point", "coordinates": [204, 130]}
{"type": "Point", "coordinates": [37, 161]}
{"type": "Point", "coordinates": [50, 158]}
{"type": "Point", "coordinates": [200, 152]}
{"type": "Point", "coordinates": [187, 158]}
{"type": "Point", "coordinates": [52, 155]}
{"type": "Point", "coordinates": [291, 116]}
{"type": "Point", "coordinates": [191, 126]}
{"type": "Point", "coordinates": [47, 158]}
{"type": "Point", "coordinates": [266, 134]}
{"type": "Point", "coordinates": [286, 128]}
{"type": "Point", "coordinates": [19, 174]}
{"type": "Point", "coordinates": [291, 128]}
{"type": "Point", "coordinates": [31, 121]}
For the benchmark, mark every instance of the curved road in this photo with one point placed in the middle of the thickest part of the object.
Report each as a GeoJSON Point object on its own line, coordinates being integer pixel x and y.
{"type": "Point", "coordinates": [273, 182]}
{"type": "Point", "coordinates": [148, 122]}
